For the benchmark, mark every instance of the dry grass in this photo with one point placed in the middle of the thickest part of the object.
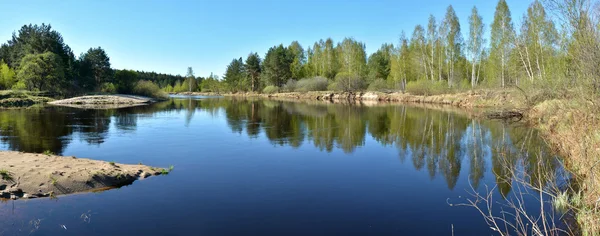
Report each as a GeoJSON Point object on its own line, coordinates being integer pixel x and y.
{"type": "Point", "coordinates": [572, 128]}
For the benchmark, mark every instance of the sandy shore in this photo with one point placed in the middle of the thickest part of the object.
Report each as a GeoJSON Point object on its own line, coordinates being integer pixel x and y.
{"type": "Point", "coordinates": [104, 101]}
{"type": "Point", "coordinates": [29, 175]}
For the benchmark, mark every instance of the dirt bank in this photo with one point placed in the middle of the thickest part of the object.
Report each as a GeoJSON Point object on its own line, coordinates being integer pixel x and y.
{"type": "Point", "coordinates": [28, 175]}
{"type": "Point", "coordinates": [572, 127]}
{"type": "Point", "coordinates": [104, 101]}
{"type": "Point", "coordinates": [498, 99]}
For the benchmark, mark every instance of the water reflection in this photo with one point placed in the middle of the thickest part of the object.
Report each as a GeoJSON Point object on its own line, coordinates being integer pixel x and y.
{"type": "Point", "coordinates": [433, 141]}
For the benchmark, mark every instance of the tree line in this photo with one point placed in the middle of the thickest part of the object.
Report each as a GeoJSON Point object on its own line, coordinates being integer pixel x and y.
{"type": "Point", "coordinates": [556, 45]}
{"type": "Point", "coordinates": [36, 58]}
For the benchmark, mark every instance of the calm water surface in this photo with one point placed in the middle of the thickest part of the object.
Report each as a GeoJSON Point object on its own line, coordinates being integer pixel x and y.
{"type": "Point", "coordinates": [259, 167]}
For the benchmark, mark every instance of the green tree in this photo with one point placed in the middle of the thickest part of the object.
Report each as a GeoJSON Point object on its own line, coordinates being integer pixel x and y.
{"type": "Point", "coordinates": [379, 63]}
{"type": "Point", "coordinates": [35, 39]}
{"type": "Point", "coordinates": [95, 69]}
{"type": "Point", "coordinates": [42, 72]}
{"type": "Point", "coordinates": [432, 45]}
{"type": "Point", "coordinates": [276, 66]}
{"type": "Point", "coordinates": [235, 75]}
{"type": "Point", "coordinates": [400, 63]}
{"type": "Point", "coordinates": [352, 57]}
{"type": "Point", "coordinates": [418, 53]}
{"type": "Point", "coordinates": [299, 60]}
{"type": "Point", "coordinates": [475, 43]}
{"type": "Point", "coordinates": [7, 76]}
{"type": "Point", "coordinates": [125, 80]}
{"type": "Point", "coordinates": [501, 45]}
{"type": "Point", "coordinates": [253, 70]}
{"type": "Point", "coordinates": [453, 44]}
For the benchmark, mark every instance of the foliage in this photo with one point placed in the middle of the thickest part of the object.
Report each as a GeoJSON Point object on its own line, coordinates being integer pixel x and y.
{"type": "Point", "coordinates": [235, 75]}
{"type": "Point", "coordinates": [425, 87]}
{"type": "Point", "coordinates": [270, 89]}
{"type": "Point", "coordinates": [94, 69]}
{"type": "Point", "coordinates": [312, 84]}
{"type": "Point", "coordinates": [379, 63]}
{"type": "Point", "coordinates": [276, 66]}
{"type": "Point", "coordinates": [41, 72]}
{"type": "Point", "coordinates": [149, 89]}
{"type": "Point", "coordinates": [212, 84]}
{"type": "Point", "coordinates": [108, 88]}
{"type": "Point", "coordinates": [379, 85]}
{"type": "Point", "coordinates": [253, 70]}
{"type": "Point", "coordinates": [7, 76]}
{"type": "Point", "coordinates": [125, 80]}
{"type": "Point", "coordinates": [290, 86]}
{"type": "Point", "coordinates": [346, 82]}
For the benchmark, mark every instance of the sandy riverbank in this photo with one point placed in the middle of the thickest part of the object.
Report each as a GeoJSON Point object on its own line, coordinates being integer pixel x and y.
{"type": "Point", "coordinates": [29, 175]}
{"type": "Point", "coordinates": [104, 101]}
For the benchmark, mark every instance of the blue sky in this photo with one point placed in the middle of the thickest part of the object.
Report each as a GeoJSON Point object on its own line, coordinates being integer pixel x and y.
{"type": "Point", "coordinates": [168, 36]}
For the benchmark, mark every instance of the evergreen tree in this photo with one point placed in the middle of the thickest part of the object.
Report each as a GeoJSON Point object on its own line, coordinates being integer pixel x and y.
{"type": "Point", "coordinates": [95, 69]}
{"type": "Point", "coordinates": [276, 66]}
{"type": "Point", "coordinates": [253, 70]}
{"type": "Point", "coordinates": [235, 75]}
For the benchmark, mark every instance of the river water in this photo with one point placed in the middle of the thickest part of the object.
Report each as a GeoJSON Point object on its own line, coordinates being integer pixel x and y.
{"type": "Point", "coordinates": [263, 167]}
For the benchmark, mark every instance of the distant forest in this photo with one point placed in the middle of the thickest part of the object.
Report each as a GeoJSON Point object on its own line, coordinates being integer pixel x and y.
{"type": "Point", "coordinates": [36, 58]}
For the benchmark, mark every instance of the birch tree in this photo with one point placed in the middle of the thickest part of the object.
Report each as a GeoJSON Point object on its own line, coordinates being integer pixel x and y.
{"type": "Point", "coordinates": [501, 45]}
{"type": "Point", "coordinates": [475, 44]}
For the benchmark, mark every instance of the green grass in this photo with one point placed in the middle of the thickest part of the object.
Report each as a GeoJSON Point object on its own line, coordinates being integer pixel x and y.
{"type": "Point", "coordinates": [5, 175]}
{"type": "Point", "coordinates": [112, 163]}
{"type": "Point", "coordinates": [48, 153]}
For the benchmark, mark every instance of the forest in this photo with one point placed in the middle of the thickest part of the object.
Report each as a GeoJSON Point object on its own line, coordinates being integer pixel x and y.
{"type": "Point", "coordinates": [36, 58]}
{"type": "Point", "coordinates": [554, 47]}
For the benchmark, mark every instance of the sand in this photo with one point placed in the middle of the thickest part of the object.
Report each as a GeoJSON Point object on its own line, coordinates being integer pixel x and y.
{"type": "Point", "coordinates": [29, 175]}
{"type": "Point", "coordinates": [104, 101]}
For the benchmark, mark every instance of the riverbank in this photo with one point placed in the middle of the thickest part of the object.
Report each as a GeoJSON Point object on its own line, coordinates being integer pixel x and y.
{"type": "Point", "coordinates": [471, 99]}
{"type": "Point", "coordinates": [19, 99]}
{"type": "Point", "coordinates": [30, 175]}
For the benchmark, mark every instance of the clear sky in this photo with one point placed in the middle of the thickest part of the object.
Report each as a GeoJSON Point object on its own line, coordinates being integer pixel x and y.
{"type": "Point", "coordinates": [167, 36]}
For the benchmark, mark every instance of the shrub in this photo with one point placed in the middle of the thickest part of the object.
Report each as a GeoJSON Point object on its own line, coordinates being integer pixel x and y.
{"type": "Point", "coordinates": [349, 83]}
{"type": "Point", "coordinates": [270, 89]}
{"type": "Point", "coordinates": [19, 86]}
{"type": "Point", "coordinates": [312, 84]}
{"type": "Point", "coordinates": [426, 87]}
{"type": "Point", "coordinates": [379, 85]}
{"type": "Point", "coordinates": [290, 86]}
{"type": "Point", "coordinates": [149, 89]}
{"type": "Point", "coordinates": [108, 88]}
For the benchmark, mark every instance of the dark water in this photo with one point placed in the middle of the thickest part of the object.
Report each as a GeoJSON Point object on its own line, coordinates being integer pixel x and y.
{"type": "Point", "coordinates": [274, 168]}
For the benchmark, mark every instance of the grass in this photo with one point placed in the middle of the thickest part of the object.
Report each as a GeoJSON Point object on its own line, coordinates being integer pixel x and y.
{"type": "Point", "coordinates": [112, 163]}
{"type": "Point", "coordinates": [6, 175]}
{"type": "Point", "coordinates": [53, 180]}
{"type": "Point", "coordinates": [48, 153]}
{"type": "Point", "coordinates": [17, 98]}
